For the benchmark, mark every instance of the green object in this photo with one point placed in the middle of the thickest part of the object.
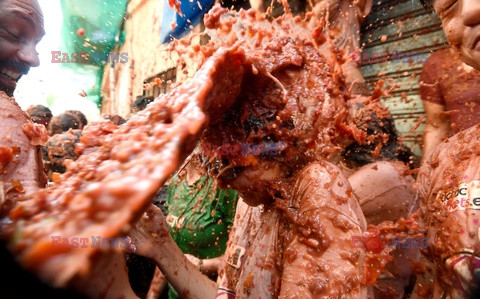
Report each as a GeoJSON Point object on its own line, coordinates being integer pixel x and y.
{"type": "Point", "coordinates": [93, 27]}
{"type": "Point", "coordinates": [200, 216]}
{"type": "Point", "coordinates": [100, 21]}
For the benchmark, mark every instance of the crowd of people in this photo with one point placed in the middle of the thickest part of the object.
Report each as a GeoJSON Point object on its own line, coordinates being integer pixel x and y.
{"type": "Point", "coordinates": [64, 131]}
{"type": "Point", "coordinates": [233, 234]}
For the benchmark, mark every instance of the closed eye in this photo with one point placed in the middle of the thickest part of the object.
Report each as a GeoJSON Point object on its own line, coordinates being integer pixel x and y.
{"type": "Point", "coordinates": [15, 38]}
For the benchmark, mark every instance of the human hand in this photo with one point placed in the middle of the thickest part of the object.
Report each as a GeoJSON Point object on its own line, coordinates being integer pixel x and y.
{"type": "Point", "coordinates": [148, 233]}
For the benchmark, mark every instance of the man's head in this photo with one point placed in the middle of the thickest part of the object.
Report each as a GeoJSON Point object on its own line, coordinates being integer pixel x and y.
{"type": "Point", "coordinates": [80, 116]}
{"type": "Point", "coordinates": [461, 24]}
{"type": "Point", "coordinates": [21, 28]}
{"type": "Point", "coordinates": [141, 103]}
{"type": "Point", "coordinates": [64, 122]}
{"type": "Point", "coordinates": [40, 114]}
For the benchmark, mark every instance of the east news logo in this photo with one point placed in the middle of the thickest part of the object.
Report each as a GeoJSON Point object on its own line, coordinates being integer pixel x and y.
{"type": "Point", "coordinates": [376, 244]}
{"type": "Point", "coordinates": [95, 57]}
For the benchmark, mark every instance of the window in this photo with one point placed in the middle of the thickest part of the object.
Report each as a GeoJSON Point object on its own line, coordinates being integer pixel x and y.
{"type": "Point", "coordinates": [163, 85]}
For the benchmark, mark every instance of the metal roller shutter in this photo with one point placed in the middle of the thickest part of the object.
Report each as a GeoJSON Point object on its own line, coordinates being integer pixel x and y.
{"type": "Point", "coordinates": [408, 28]}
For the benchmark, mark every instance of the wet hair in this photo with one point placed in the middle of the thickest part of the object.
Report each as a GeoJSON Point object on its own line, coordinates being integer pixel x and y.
{"type": "Point", "coordinates": [141, 103]}
{"type": "Point", "coordinates": [377, 122]}
{"type": "Point", "coordinates": [63, 123]}
{"type": "Point", "coordinates": [80, 116]}
{"type": "Point", "coordinates": [40, 114]}
{"type": "Point", "coordinates": [39, 111]}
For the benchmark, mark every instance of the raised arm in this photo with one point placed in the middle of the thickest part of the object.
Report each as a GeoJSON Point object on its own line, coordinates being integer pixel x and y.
{"type": "Point", "coordinates": [151, 238]}
{"type": "Point", "coordinates": [433, 103]}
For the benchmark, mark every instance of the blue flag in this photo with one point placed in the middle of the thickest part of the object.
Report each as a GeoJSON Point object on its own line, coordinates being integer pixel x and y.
{"type": "Point", "coordinates": [192, 15]}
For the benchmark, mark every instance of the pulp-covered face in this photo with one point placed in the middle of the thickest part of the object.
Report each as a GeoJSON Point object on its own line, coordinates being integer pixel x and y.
{"type": "Point", "coordinates": [461, 24]}
{"type": "Point", "coordinates": [21, 28]}
{"type": "Point", "coordinates": [290, 103]}
{"type": "Point", "coordinates": [256, 184]}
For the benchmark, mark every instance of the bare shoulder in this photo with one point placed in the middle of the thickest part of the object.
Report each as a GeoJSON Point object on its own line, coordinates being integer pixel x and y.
{"type": "Point", "coordinates": [320, 182]}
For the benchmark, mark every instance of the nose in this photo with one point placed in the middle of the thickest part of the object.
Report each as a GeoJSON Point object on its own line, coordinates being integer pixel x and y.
{"type": "Point", "coordinates": [471, 12]}
{"type": "Point", "coordinates": [28, 54]}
